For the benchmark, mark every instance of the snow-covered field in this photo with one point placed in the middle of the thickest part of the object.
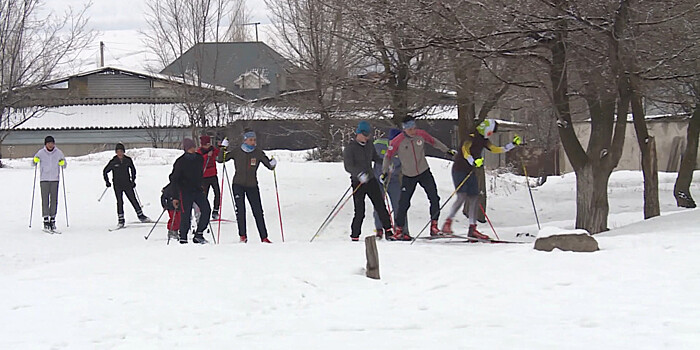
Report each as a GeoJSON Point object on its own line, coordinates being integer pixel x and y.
{"type": "Point", "coordinates": [94, 289]}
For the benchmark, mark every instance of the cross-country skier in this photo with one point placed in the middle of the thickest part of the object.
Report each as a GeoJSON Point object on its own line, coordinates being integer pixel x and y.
{"type": "Point", "coordinates": [170, 200]}
{"type": "Point", "coordinates": [471, 157]}
{"type": "Point", "coordinates": [187, 179]}
{"type": "Point", "coordinates": [49, 159]}
{"type": "Point", "coordinates": [210, 178]}
{"type": "Point", "coordinates": [410, 147]}
{"type": "Point", "coordinates": [124, 178]}
{"type": "Point", "coordinates": [357, 158]}
{"type": "Point", "coordinates": [246, 160]}
{"type": "Point", "coordinates": [392, 186]}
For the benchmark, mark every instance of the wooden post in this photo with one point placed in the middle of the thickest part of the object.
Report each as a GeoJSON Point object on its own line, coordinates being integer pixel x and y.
{"type": "Point", "coordinates": [372, 257]}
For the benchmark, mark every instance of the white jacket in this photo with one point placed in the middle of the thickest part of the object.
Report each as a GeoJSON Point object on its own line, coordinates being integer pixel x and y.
{"type": "Point", "coordinates": [48, 163]}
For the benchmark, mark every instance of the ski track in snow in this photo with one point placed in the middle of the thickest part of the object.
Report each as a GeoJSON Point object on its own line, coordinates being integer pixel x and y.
{"type": "Point", "coordinates": [94, 289]}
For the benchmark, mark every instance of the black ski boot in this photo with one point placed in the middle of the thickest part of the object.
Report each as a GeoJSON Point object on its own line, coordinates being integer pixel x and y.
{"type": "Point", "coordinates": [199, 238]}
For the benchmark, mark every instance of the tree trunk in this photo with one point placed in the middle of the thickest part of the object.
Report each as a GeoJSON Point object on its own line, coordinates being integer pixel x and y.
{"type": "Point", "coordinates": [647, 146]}
{"type": "Point", "coordinates": [592, 199]}
{"type": "Point", "coordinates": [681, 190]}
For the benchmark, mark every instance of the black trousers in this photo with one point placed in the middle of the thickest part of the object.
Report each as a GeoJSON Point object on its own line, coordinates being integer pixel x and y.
{"type": "Point", "coordinates": [408, 187]}
{"type": "Point", "coordinates": [212, 182]}
{"type": "Point", "coordinates": [119, 191]}
{"type": "Point", "coordinates": [253, 194]}
{"type": "Point", "coordinates": [189, 197]}
{"type": "Point", "coordinates": [372, 190]}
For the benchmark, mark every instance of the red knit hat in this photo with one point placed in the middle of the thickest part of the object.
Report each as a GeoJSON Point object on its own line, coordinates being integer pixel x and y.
{"type": "Point", "coordinates": [204, 140]}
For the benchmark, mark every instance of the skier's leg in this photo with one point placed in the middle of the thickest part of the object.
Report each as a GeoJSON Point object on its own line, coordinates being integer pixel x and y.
{"type": "Point", "coordinates": [394, 192]}
{"type": "Point", "coordinates": [253, 194]}
{"type": "Point", "coordinates": [457, 205]}
{"type": "Point", "coordinates": [239, 200]}
{"type": "Point", "coordinates": [472, 204]}
{"type": "Point", "coordinates": [217, 194]}
{"type": "Point", "coordinates": [131, 196]}
{"type": "Point", "coordinates": [408, 186]}
{"type": "Point", "coordinates": [118, 192]}
{"type": "Point", "coordinates": [374, 192]}
{"type": "Point", "coordinates": [358, 200]}
{"type": "Point", "coordinates": [45, 189]}
{"type": "Point", "coordinates": [53, 198]}
{"type": "Point", "coordinates": [186, 216]}
{"type": "Point", "coordinates": [427, 181]}
{"type": "Point", "coordinates": [377, 221]}
{"type": "Point", "coordinates": [204, 209]}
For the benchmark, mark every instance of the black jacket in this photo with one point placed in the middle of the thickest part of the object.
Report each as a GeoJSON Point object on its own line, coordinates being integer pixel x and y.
{"type": "Point", "coordinates": [120, 171]}
{"type": "Point", "coordinates": [246, 164]}
{"type": "Point", "coordinates": [358, 159]}
{"type": "Point", "coordinates": [168, 193]}
{"type": "Point", "coordinates": [187, 173]}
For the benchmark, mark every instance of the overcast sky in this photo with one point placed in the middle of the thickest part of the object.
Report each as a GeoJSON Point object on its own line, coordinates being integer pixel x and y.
{"type": "Point", "coordinates": [129, 14]}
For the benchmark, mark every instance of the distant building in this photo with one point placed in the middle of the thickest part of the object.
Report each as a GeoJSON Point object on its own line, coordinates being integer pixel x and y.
{"type": "Point", "coordinates": [251, 70]}
{"type": "Point", "coordinates": [91, 111]}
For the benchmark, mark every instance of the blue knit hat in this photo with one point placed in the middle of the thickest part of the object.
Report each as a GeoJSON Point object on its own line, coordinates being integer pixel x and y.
{"type": "Point", "coordinates": [393, 132]}
{"type": "Point", "coordinates": [248, 134]}
{"type": "Point", "coordinates": [363, 128]}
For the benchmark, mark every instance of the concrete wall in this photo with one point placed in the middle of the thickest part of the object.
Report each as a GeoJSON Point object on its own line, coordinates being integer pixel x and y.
{"type": "Point", "coordinates": [670, 143]}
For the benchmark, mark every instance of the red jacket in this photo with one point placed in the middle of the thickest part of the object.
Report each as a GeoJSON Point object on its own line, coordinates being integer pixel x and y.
{"type": "Point", "coordinates": [209, 162]}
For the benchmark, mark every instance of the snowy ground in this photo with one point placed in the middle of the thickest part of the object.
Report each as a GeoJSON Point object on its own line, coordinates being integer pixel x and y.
{"type": "Point", "coordinates": [94, 289]}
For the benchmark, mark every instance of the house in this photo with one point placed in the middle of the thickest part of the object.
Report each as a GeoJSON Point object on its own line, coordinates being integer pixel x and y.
{"type": "Point", "coordinates": [251, 70]}
{"type": "Point", "coordinates": [669, 131]}
{"type": "Point", "coordinates": [91, 111]}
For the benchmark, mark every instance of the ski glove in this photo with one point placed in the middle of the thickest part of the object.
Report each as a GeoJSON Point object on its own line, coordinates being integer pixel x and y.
{"type": "Point", "coordinates": [383, 178]}
{"type": "Point", "coordinates": [224, 143]}
{"type": "Point", "coordinates": [62, 162]}
{"type": "Point", "coordinates": [452, 152]}
{"type": "Point", "coordinates": [108, 184]}
{"type": "Point", "coordinates": [273, 163]}
{"type": "Point", "coordinates": [475, 162]}
{"type": "Point", "coordinates": [363, 177]}
{"type": "Point", "coordinates": [36, 161]}
{"type": "Point", "coordinates": [517, 140]}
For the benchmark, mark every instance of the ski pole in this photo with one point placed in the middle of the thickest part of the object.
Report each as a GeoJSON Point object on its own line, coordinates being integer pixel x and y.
{"type": "Point", "coordinates": [279, 208]}
{"type": "Point", "coordinates": [154, 226]}
{"type": "Point", "coordinates": [65, 198]}
{"type": "Point", "coordinates": [340, 208]}
{"type": "Point", "coordinates": [137, 198]}
{"type": "Point", "coordinates": [532, 199]}
{"type": "Point", "coordinates": [212, 233]}
{"type": "Point", "coordinates": [103, 194]}
{"type": "Point", "coordinates": [330, 214]}
{"type": "Point", "coordinates": [489, 220]}
{"type": "Point", "coordinates": [444, 204]}
{"type": "Point", "coordinates": [332, 210]}
{"type": "Point", "coordinates": [387, 200]}
{"type": "Point", "coordinates": [221, 202]}
{"type": "Point", "coordinates": [230, 188]}
{"type": "Point", "coordinates": [31, 210]}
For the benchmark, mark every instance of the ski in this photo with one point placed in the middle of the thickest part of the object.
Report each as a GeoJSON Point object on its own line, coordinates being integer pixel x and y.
{"type": "Point", "coordinates": [442, 237]}
{"type": "Point", "coordinates": [478, 240]}
{"type": "Point", "coordinates": [117, 228]}
{"type": "Point", "coordinates": [221, 220]}
{"type": "Point", "coordinates": [52, 232]}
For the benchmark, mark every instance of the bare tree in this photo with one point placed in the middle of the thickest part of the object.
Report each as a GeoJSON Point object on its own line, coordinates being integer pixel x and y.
{"type": "Point", "coordinates": [159, 124]}
{"type": "Point", "coordinates": [317, 39]}
{"type": "Point", "coordinates": [34, 46]}
{"type": "Point", "coordinates": [176, 26]}
{"type": "Point", "coordinates": [239, 18]}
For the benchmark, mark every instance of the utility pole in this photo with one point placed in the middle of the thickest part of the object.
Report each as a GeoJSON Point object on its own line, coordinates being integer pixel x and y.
{"type": "Point", "coordinates": [102, 54]}
{"type": "Point", "coordinates": [256, 28]}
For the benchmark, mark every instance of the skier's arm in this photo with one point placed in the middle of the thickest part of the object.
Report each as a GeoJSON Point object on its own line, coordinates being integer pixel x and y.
{"type": "Point", "coordinates": [495, 149]}
{"type": "Point", "coordinates": [432, 141]}
{"type": "Point", "coordinates": [133, 170]}
{"type": "Point", "coordinates": [265, 160]}
{"type": "Point", "coordinates": [106, 170]}
{"type": "Point", "coordinates": [62, 160]}
{"type": "Point", "coordinates": [175, 177]}
{"type": "Point", "coordinates": [390, 152]}
{"type": "Point", "coordinates": [349, 163]}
